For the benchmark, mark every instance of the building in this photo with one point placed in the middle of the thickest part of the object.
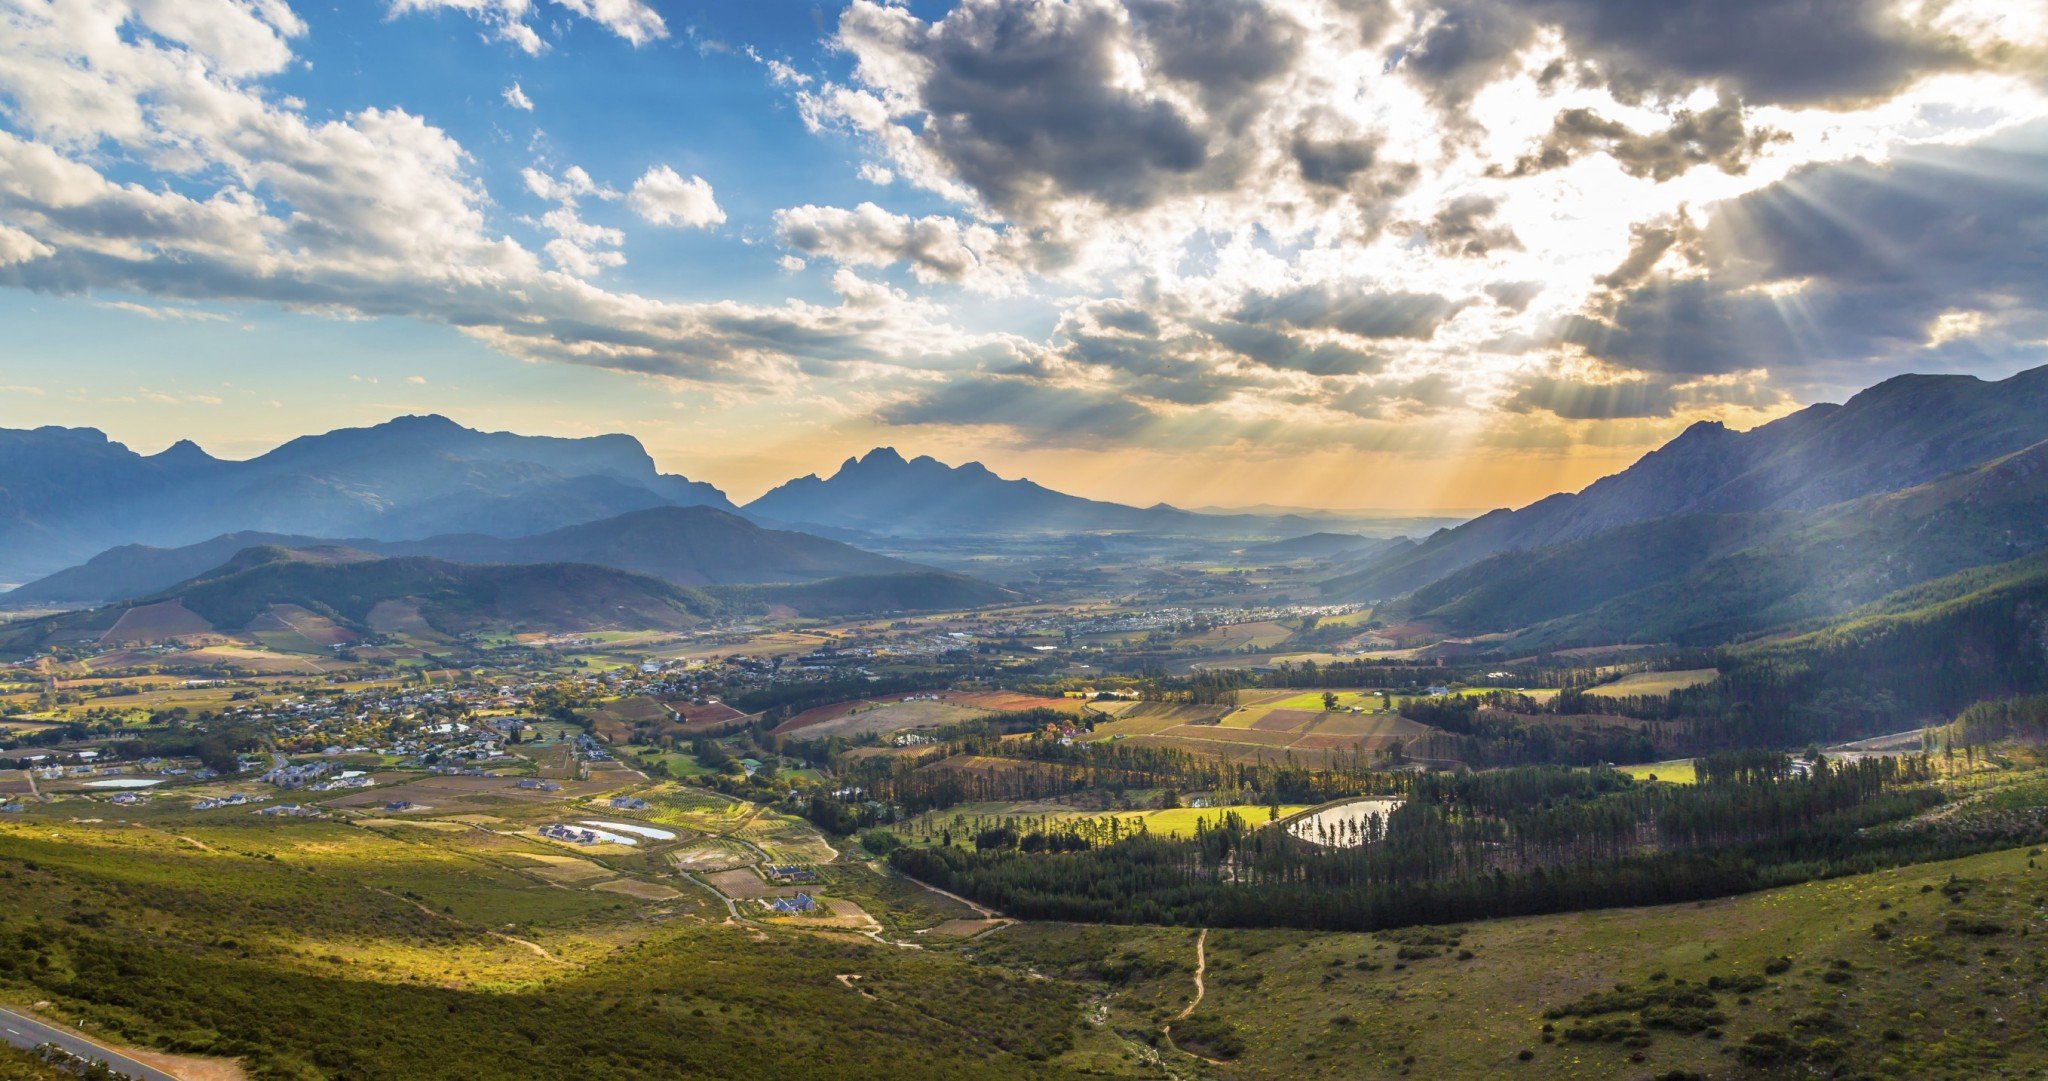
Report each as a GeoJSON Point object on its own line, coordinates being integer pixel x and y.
{"type": "Point", "coordinates": [800, 905]}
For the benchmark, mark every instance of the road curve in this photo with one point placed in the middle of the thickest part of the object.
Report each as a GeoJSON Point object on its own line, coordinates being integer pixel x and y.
{"type": "Point", "coordinates": [27, 1032]}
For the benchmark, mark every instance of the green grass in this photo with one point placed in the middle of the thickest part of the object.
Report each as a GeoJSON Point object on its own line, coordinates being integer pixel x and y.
{"type": "Point", "coordinates": [1654, 683]}
{"type": "Point", "coordinates": [1680, 771]}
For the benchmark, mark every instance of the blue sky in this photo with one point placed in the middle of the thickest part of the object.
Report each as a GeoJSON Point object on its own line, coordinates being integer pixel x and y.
{"type": "Point", "coordinates": [1356, 253]}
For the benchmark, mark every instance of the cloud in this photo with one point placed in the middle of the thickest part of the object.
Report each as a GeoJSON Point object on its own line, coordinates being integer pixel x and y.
{"type": "Point", "coordinates": [372, 213]}
{"type": "Point", "coordinates": [516, 98]}
{"type": "Point", "coordinates": [512, 20]}
{"type": "Point", "coordinates": [663, 197]}
{"type": "Point", "coordinates": [936, 248]}
{"type": "Point", "coordinates": [1846, 266]}
{"type": "Point", "coordinates": [1716, 136]}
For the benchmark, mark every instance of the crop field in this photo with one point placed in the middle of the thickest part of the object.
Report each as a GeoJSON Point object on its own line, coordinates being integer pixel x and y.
{"type": "Point", "coordinates": [1146, 718]}
{"type": "Point", "coordinates": [1235, 636]}
{"type": "Point", "coordinates": [1677, 772]}
{"type": "Point", "coordinates": [155, 622]}
{"type": "Point", "coordinates": [879, 715]}
{"type": "Point", "coordinates": [1654, 683]}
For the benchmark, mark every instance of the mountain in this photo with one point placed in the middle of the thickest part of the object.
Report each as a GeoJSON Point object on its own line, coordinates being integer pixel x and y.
{"type": "Point", "coordinates": [348, 593]}
{"type": "Point", "coordinates": [884, 495]}
{"type": "Point", "coordinates": [1313, 546]}
{"type": "Point", "coordinates": [687, 546]}
{"type": "Point", "coordinates": [67, 493]}
{"type": "Point", "coordinates": [1898, 434]}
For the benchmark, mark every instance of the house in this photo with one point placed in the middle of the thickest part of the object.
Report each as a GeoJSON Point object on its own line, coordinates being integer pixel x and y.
{"type": "Point", "coordinates": [536, 785]}
{"type": "Point", "coordinates": [628, 803]}
{"type": "Point", "coordinates": [399, 805]}
{"type": "Point", "coordinates": [792, 874]}
{"type": "Point", "coordinates": [800, 905]}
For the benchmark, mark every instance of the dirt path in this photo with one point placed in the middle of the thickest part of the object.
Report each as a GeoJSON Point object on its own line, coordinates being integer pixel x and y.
{"type": "Point", "coordinates": [1201, 967]}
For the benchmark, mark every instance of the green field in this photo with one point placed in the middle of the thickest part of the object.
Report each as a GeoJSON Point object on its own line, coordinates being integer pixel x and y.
{"type": "Point", "coordinates": [1680, 771]}
{"type": "Point", "coordinates": [1654, 683]}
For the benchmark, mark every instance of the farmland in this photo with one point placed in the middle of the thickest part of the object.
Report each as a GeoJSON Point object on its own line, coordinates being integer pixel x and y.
{"type": "Point", "coordinates": [1653, 683]}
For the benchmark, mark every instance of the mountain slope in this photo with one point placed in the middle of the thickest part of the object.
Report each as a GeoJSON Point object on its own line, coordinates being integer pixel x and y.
{"type": "Point", "coordinates": [348, 587]}
{"type": "Point", "coordinates": [1900, 433]}
{"type": "Point", "coordinates": [70, 493]}
{"type": "Point", "coordinates": [1701, 579]}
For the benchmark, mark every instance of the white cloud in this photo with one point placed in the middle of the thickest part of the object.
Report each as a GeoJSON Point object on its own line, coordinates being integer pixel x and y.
{"type": "Point", "coordinates": [512, 20]}
{"type": "Point", "coordinates": [663, 197]}
{"type": "Point", "coordinates": [516, 98]}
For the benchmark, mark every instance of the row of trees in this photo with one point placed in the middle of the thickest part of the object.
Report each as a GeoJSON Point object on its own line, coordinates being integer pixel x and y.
{"type": "Point", "coordinates": [1465, 846]}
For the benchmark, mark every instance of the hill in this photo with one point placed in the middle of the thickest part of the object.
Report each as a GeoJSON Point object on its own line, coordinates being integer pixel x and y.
{"type": "Point", "coordinates": [358, 592]}
{"type": "Point", "coordinates": [1314, 546]}
{"type": "Point", "coordinates": [687, 546]}
{"type": "Point", "coordinates": [884, 494]}
{"type": "Point", "coordinates": [1901, 433]}
{"type": "Point", "coordinates": [70, 493]}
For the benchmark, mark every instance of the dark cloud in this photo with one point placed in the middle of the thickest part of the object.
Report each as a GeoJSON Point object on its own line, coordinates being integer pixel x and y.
{"type": "Point", "coordinates": [1226, 48]}
{"type": "Point", "coordinates": [1465, 226]}
{"type": "Point", "coordinates": [1469, 45]}
{"type": "Point", "coordinates": [1367, 315]}
{"type": "Point", "coordinates": [1514, 296]}
{"type": "Point", "coordinates": [1782, 52]}
{"type": "Point", "coordinates": [1845, 264]}
{"type": "Point", "coordinates": [1717, 136]}
{"type": "Point", "coordinates": [1044, 412]}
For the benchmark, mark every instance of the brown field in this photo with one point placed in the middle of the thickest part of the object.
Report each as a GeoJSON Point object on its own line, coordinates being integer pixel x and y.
{"type": "Point", "coordinates": [878, 715]}
{"type": "Point", "coordinates": [1013, 702]}
{"type": "Point", "coordinates": [633, 887]}
{"type": "Point", "coordinates": [977, 763]}
{"type": "Point", "coordinates": [1220, 734]}
{"type": "Point", "coordinates": [1147, 718]}
{"type": "Point", "coordinates": [744, 884]}
{"type": "Point", "coordinates": [155, 622]}
{"type": "Point", "coordinates": [708, 717]}
{"type": "Point", "coordinates": [311, 626]}
{"type": "Point", "coordinates": [399, 617]}
{"type": "Point", "coordinates": [1369, 725]}
{"type": "Point", "coordinates": [464, 795]}
{"type": "Point", "coordinates": [556, 868]}
{"type": "Point", "coordinates": [259, 660]}
{"type": "Point", "coordinates": [1286, 720]}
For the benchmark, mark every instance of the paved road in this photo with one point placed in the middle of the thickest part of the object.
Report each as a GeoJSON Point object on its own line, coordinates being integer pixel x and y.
{"type": "Point", "coordinates": [27, 1032]}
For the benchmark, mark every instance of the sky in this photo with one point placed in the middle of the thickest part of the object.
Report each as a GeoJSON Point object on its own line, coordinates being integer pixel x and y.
{"type": "Point", "coordinates": [1392, 254]}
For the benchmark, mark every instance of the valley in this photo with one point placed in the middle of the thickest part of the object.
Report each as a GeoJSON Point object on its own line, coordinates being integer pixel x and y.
{"type": "Point", "coordinates": [1748, 782]}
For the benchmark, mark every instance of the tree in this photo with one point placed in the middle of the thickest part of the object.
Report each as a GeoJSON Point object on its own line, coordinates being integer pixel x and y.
{"type": "Point", "coordinates": [1329, 701]}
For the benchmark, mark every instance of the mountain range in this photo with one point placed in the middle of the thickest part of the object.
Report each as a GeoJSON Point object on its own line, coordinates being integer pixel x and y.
{"type": "Point", "coordinates": [1721, 534]}
{"type": "Point", "coordinates": [882, 494]}
{"type": "Point", "coordinates": [685, 546]}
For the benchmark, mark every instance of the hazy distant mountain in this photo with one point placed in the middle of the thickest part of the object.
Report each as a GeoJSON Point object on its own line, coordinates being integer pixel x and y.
{"type": "Point", "coordinates": [688, 546]}
{"type": "Point", "coordinates": [1900, 433]}
{"type": "Point", "coordinates": [66, 494]}
{"type": "Point", "coordinates": [912, 591]}
{"type": "Point", "coordinates": [262, 589]}
{"type": "Point", "coordinates": [883, 494]}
